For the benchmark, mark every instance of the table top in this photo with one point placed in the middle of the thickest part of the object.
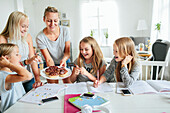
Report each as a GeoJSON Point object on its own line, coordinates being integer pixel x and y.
{"type": "Point", "coordinates": [146, 103]}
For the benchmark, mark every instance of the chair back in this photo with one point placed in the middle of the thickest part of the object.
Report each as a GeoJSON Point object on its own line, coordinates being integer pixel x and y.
{"type": "Point", "coordinates": [147, 69]}
{"type": "Point", "coordinates": [159, 50]}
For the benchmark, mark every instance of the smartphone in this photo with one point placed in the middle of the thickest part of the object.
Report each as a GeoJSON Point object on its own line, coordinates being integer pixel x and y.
{"type": "Point", "coordinates": [49, 99]}
{"type": "Point", "coordinates": [88, 95]}
{"type": "Point", "coordinates": [126, 92]}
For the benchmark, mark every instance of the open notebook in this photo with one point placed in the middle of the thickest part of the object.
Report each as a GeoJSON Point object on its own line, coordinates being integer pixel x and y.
{"type": "Point", "coordinates": [146, 87]}
{"type": "Point", "coordinates": [83, 87]}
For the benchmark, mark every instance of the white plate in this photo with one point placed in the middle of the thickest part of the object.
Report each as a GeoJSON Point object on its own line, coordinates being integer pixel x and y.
{"type": "Point", "coordinates": [42, 72]}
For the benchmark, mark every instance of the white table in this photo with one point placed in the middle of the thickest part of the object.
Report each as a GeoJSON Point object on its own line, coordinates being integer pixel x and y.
{"type": "Point", "coordinates": [147, 103]}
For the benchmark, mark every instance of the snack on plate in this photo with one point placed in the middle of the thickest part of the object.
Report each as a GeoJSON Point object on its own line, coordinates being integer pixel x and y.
{"type": "Point", "coordinates": [55, 71]}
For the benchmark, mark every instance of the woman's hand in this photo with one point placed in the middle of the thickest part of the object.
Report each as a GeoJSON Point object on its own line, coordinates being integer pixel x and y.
{"type": "Point", "coordinates": [63, 63]}
{"type": "Point", "coordinates": [127, 60]}
{"type": "Point", "coordinates": [4, 62]}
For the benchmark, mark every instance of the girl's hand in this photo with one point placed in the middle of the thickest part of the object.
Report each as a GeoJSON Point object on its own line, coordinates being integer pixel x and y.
{"type": "Point", "coordinates": [83, 71]}
{"type": "Point", "coordinates": [76, 70]}
{"type": "Point", "coordinates": [35, 58]}
{"type": "Point", "coordinates": [4, 62]}
{"type": "Point", "coordinates": [96, 83]}
{"type": "Point", "coordinates": [37, 84]}
{"type": "Point", "coordinates": [127, 60]}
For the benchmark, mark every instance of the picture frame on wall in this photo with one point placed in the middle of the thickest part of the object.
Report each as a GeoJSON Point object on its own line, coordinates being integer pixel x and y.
{"type": "Point", "coordinates": [65, 23]}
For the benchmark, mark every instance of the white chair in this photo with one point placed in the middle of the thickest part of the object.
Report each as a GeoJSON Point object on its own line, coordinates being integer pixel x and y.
{"type": "Point", "coordinates": [146, 68]}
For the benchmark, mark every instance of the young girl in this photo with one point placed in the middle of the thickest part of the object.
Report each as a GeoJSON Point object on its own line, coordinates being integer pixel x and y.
{"type": "Point", "coordinates": [89, 61]}
{"type": "Point", "coordinates": [124, 64]}
{"type": "Point", "coordinates": [11, 75]}
{"type": "Point", "coordinates": [16, 32]}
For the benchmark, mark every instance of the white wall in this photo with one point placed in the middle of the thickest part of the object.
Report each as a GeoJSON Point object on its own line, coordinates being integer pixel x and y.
{"type": "Point", "coordinates": [130, 11]}
{"type": "Point", "coordinates": [6, 7]}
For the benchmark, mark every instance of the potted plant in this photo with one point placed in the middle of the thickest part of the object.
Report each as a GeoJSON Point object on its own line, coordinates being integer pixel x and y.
{"type": "Point", "coordinates": [91, 33]}
{"type": "Point", "coordinates": [158, 28]}
{"type": "Point", "coordinates": [106, 35]}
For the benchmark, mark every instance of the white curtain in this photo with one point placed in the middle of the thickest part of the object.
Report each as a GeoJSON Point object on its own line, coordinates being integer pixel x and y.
{"type": "Point", "coordinates": [161, 13]}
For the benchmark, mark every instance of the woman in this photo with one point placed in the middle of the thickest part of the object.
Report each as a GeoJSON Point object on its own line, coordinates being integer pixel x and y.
{"type": "Point", "coordinates": [54, 41]}
{"type": "Point", "coordinates": [15, 32]}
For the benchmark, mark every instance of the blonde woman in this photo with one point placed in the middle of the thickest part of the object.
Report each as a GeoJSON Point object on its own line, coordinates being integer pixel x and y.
{"type": "Point", "coordinates": [15, 32]}
{"type": "Point", "coordinates": [89, 61]}
{"type": "Point", "coordinates": [124, 64]}
{"type": "Point", "coordinates": [54, 41]}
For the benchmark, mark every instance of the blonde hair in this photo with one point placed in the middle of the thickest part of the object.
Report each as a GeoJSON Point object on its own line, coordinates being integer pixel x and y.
{"type": "Point", "coordinates": [50, 9]}
{"type": "Point", "coordinates": [96, 57]}
{"type": "Point", "coordinates": [125, 47]}
{"type": "Point", "coordinates": [12, 28]}
{"type": "Point", "coordinates": [6, 49]}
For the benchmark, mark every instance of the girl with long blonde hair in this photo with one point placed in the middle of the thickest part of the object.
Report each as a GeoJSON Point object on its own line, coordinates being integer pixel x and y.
{"type": "Point", "coordinates": [16, 32]}
{"type": "Point", "coordinates": [124, 67]}
{"type": "Point", "coordinates": [89, 62]}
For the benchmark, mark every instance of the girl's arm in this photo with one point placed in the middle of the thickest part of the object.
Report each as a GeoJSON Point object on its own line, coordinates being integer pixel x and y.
{"type": "Point", "coordinates": [66, 54]}
{"type": "Point", "coordinates": [3, 39]}
{"type": "Point", "coordinates": [22, 74]}
{"type": "Point", "coordinates": [74, 74]}
{"type": "Point", "coordinates": [34, 65]}
{"type": "Point", "coordinates": [127, 78]}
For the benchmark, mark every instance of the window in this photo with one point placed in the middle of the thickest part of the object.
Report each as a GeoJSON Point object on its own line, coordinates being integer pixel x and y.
{"type": "Point", "coordinates": [100, 17]}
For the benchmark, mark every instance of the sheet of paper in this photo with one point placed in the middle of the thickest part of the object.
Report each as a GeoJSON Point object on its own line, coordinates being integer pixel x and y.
{"type": "Point", "coordinates": [142, 87]}
{"type": "Point", "coordinates": [76, 88]}
{"type": "Point", "coordinates": [104, 87]}
{"type": "Point", "coordinates": [46, 91]}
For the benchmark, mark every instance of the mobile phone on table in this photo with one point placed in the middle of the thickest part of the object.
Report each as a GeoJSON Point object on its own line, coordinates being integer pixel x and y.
{"type": "Point", "coordinates": [50, 99]}
{"type": "Point", "coordinates": [88, 95]}
{"type": "Point", "coordinates": [126, 92]}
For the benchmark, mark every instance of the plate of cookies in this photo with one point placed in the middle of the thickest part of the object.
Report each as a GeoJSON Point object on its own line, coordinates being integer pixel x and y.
{"type": "Point", "coordinates": [55, 72]}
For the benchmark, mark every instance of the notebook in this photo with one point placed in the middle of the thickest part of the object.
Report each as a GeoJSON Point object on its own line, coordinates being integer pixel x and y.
{"type": "Point", "coordinates": [82, 87]}
{"type": "Point", "coordinates": [146, 87]}
{"type": "Point", "coordinates": [79, 101]}
{"type": "Point", "coordinates": [36, 95]}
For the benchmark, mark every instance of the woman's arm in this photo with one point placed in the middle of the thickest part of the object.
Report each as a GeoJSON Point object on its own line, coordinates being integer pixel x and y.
{"type": "Point", "coordinates": [66, 54]}
{"type": "Point", "coordinates": [34, 65]}
{"type": "Point", "coordinates": [48, 59]}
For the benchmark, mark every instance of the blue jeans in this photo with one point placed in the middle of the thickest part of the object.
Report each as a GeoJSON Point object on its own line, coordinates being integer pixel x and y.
{"type": "Point", "coordinates": [28, 85]}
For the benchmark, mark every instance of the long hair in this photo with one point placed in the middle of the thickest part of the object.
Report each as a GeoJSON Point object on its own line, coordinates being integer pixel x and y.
{"type": "Point", "coordinates": [125, 47]}
{"type": "Point", "coordinates": [12, 28]}
{"type": "Point", "coordinates": [96, 57]}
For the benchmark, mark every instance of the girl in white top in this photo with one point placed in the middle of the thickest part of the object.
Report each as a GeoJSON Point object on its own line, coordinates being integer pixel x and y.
{"type": "Point", "coordinates": [15, 32]}
{"type": "Point", "coordinates": [11, 75]}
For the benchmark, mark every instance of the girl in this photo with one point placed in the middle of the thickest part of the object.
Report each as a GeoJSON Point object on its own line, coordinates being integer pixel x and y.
{"type": "Point", "coordinates": [124, 64]}
{"type": "Point", "coordinates": [89, 61]}
{"type": "Point", "coordinates": [54, 41]}
{"type": "Point", "coordinates": [11, 75]}
{"type": "Point", "coordinates": [15, 32]}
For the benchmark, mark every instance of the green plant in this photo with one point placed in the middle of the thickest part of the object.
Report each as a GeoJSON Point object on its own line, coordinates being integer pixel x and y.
{"type": "Point", "coordinates": [106, 34]}
{"type": "Point", "coordinates": [91, 33]}
{"type": "Point", "coordinates": [158, 26]}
